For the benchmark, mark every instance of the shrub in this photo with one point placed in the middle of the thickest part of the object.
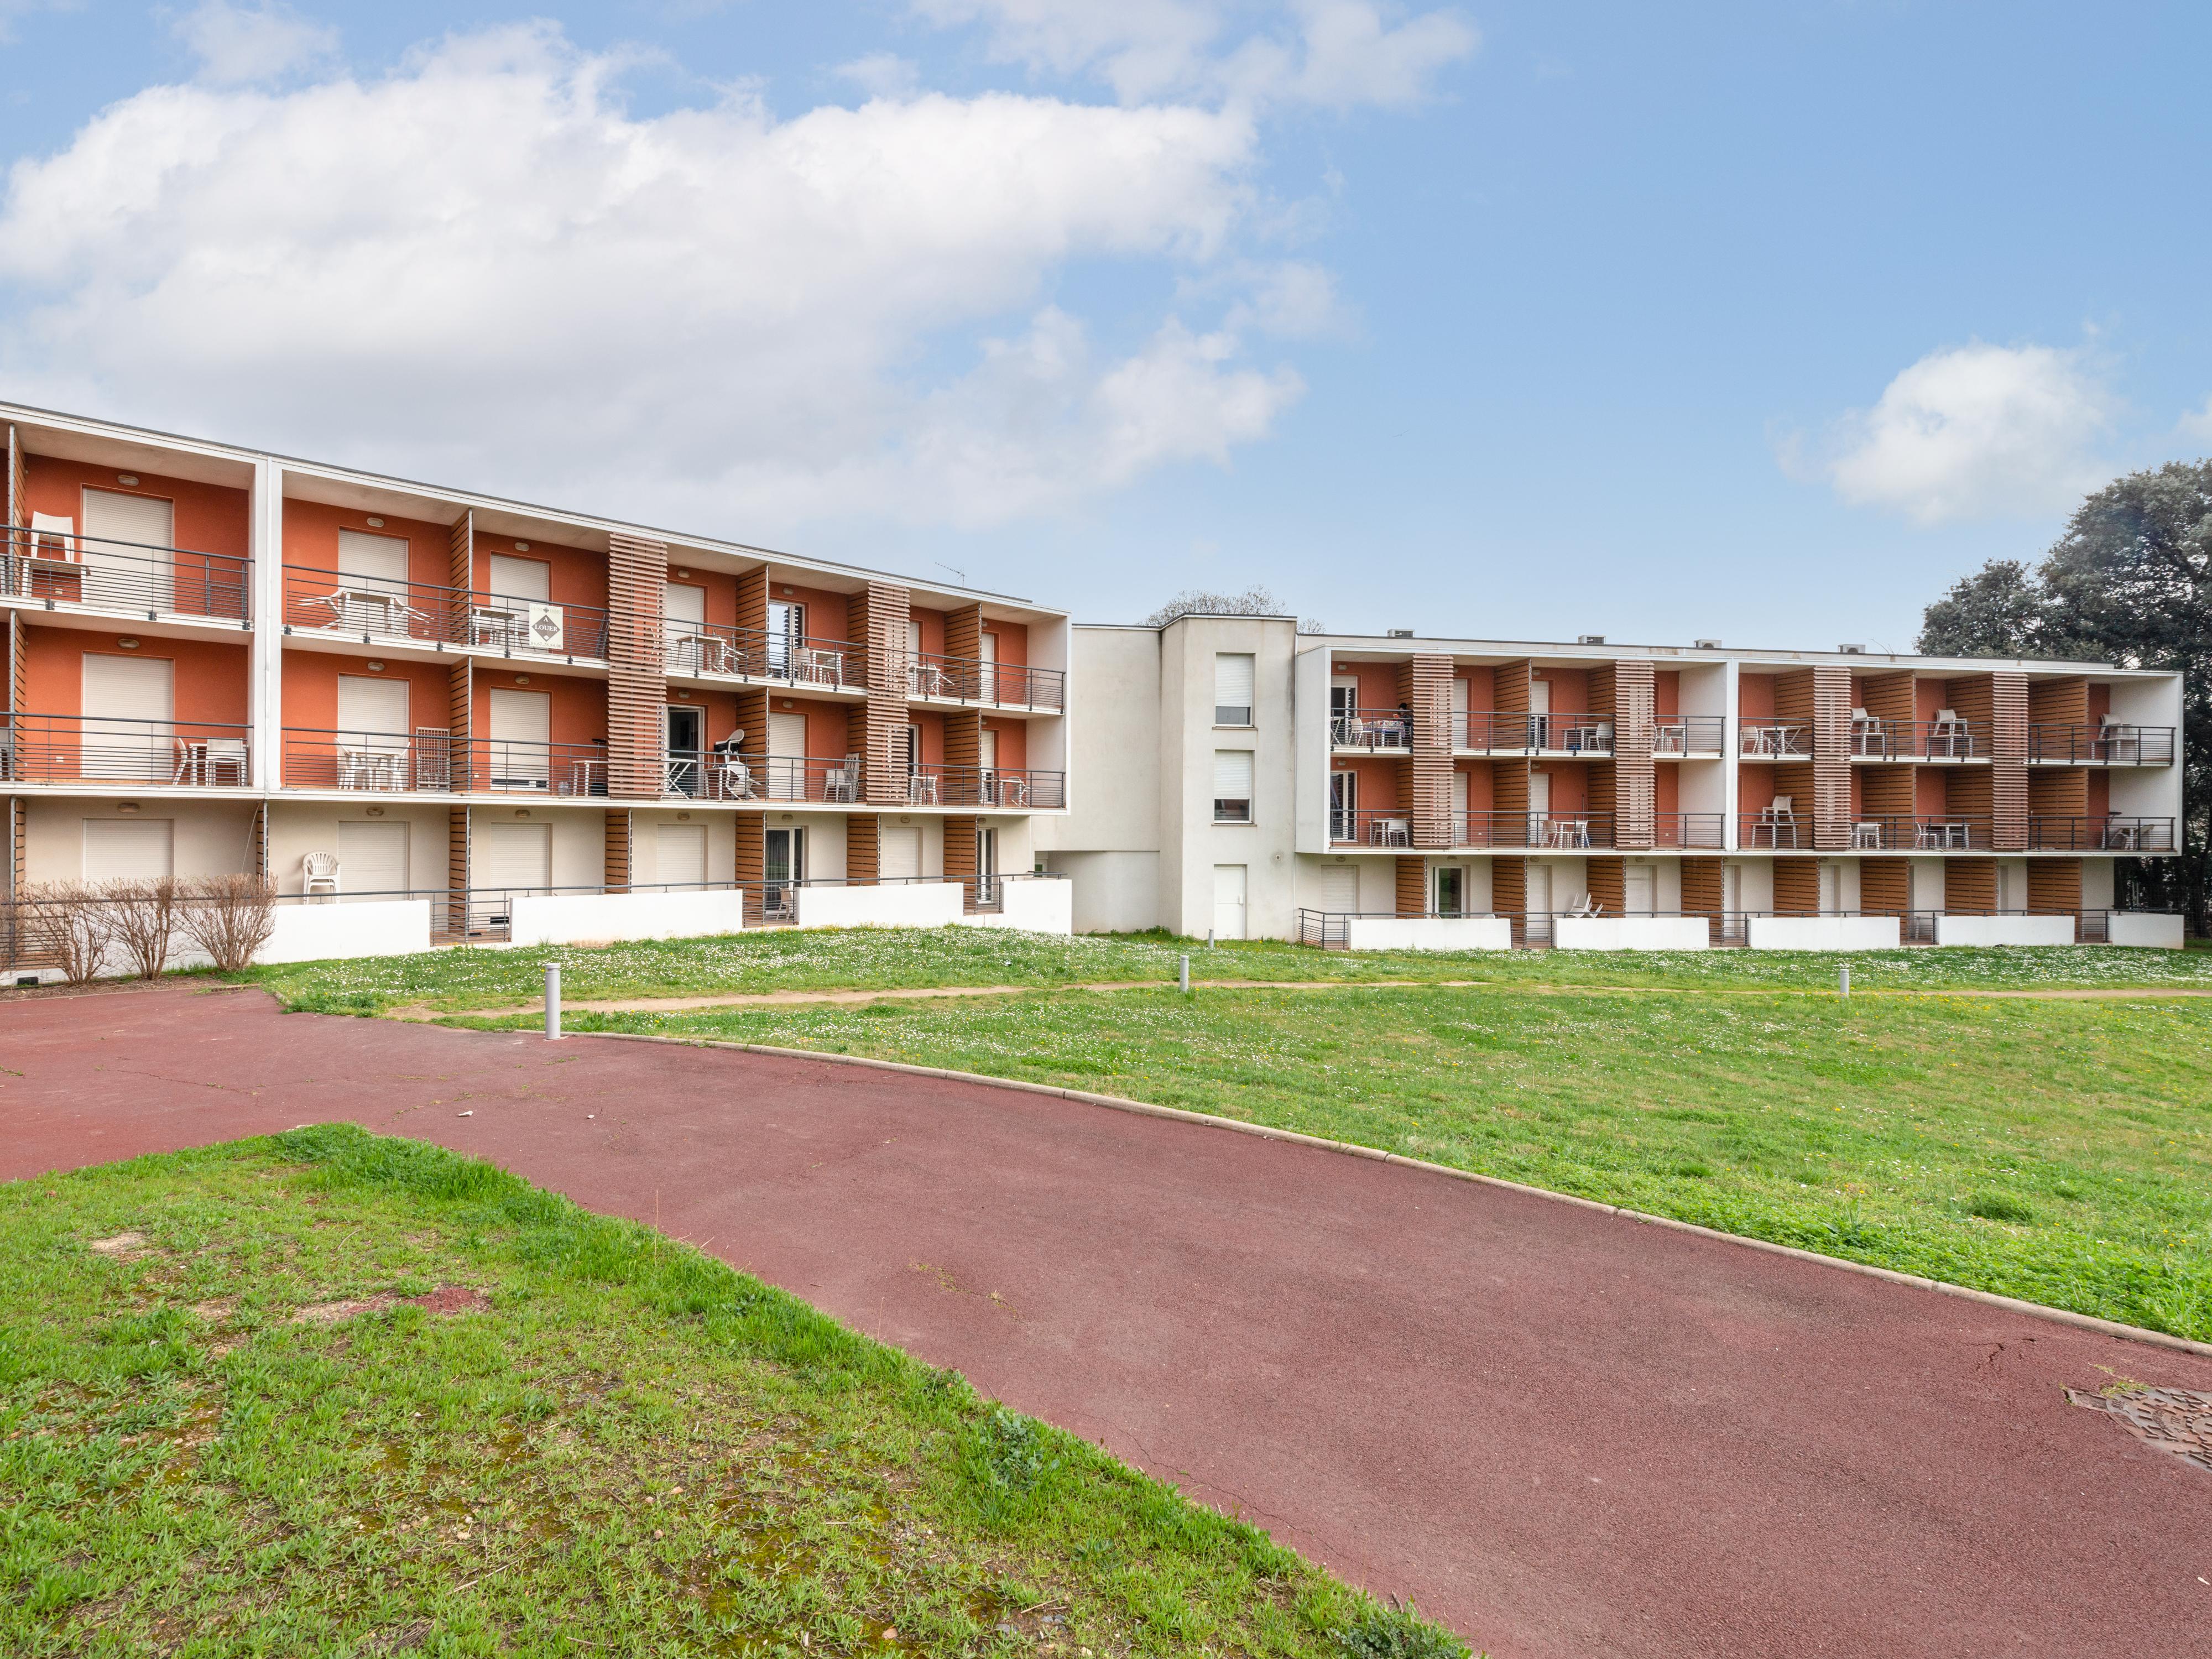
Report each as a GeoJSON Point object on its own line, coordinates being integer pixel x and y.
{"type": "Point", "coordinates": [142, 916]}
{"type": "Point", "coordinates": [67, 924]}
{"type": "Point", "coordinates": [230, 917]}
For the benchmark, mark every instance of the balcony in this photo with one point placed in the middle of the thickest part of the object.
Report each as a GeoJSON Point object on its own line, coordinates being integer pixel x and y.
{"type": "Point", "coordinates": [1493, 733]}
{"type": "Point", "coordinates": [1670, 829]}
{"type": "Point", "coordinates": [384, 611]}
{"type": "Point", "coordinates": [2108, 745]}
{"type": "Point", "coordinates": [2111, 833]}
{"type": "Point", "coordinates": [60, 570]}
{"type": "Point", "coordinates": [1774, 740]}
{"type": "Point", "coordinates": [1393, 827]}
{"type": "Point", "coordinates": [1376, 731]}
{"type": "Point", "coordinates": [375, 762]}
{"type": "Point", "coordinates": [85, 749]}
{"type": "Point", "coordinates": [1006, 789]}
{"type": "Point", "coordinates": [1919, 741]}
{"type": "Point", "coordinates": [997, 685]}
{"type": "Point", "coordinates": [709, 649]}
{"type": "Point", "coordinates": [1683, 735]}
{"type": "Point", "coordinates": [521, 766]}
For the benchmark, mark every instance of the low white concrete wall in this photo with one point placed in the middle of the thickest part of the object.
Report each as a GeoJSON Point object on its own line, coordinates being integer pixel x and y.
{"type": "Point", "coordinates": [2004, 930]}
{"type": "Point", "coordinates": [1824, 933]}
{"type": "Point", "coordinates": [1428, 933]}
{"type": "Point", "coordinates": [596, 918]}
{"type": "Point", "coordinates": [322, 932]}
{"type": "Point", "coordinates": [1039, 905]}
{"type": "Point", "coordinates": [1632, 932]}
{"type": "Point", "coordinates": [900, 904]}
{"type": "Point", "coordinates": [2159, 933]}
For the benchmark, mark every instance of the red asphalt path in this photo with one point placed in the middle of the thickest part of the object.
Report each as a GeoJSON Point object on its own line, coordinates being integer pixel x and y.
{"type": "Point", "coordinates": [1564, 1433]}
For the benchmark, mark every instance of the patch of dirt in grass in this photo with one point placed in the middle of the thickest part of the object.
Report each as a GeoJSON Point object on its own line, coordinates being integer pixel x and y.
{"type": "Point", "coordinates": [123, 1247]}
{"type": "Point", "coordinates": [446, 1299]}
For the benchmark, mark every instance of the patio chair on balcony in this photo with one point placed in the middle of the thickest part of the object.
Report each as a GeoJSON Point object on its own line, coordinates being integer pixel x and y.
{"type": "Point", "coordinates": [1866, 835]}
{"type": "Point", "coordinates": [1591, 906]}
{"type": "Point", "coordinates": [1013, 790]}
{"type": "Point", "coordinates": [1949, 735]}
{"type": "Point", "coordinates": [53, 538]}
{"type": "Point", "coordinates": [319, 873]}
{"type": "Point", "coordinates": [1869, 735]}
{"type": "Point", "coordinates": [1390, 832]}
{"type": "Point", "coordinates": [842, 783]}
{"type": "Point", "coordinates": [1778, 815]}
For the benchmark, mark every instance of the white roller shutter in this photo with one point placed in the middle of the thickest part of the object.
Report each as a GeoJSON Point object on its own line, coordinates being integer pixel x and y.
{"type": "Point", "coordinates": [521, 724]}
{"type": "Point", "coordinates": [132, 850]}
{"type": "Point", "coordinates": [898, 856]}
{"type": "Point", "coordinates": [514, 857]}
{"type": "Point", "coordinates": [378, 561]}
{"type": "Point", "coordinates": [129, 563]}
{"type": "Point", "coordinates": [130, 709]}
{"type": "Point", "coordinates": [681, 855]}
{"type": "Point", "coordinates": [372, 859]}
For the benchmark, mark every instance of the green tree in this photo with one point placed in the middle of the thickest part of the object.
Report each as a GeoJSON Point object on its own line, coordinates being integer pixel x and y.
{"type": "Point", "coordinates": [2129, 582]}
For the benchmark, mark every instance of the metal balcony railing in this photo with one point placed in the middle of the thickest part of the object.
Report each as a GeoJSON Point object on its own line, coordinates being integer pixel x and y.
{"type": "Point", "coordinates": [1922, 832]}
{"type": "Point", "coordinates": [519, 766]}
{"type": "Point", "coordinates": [1496, 734]}
{"type": "Point", "coordinates": [376, 762]}
{"type": "Point", "coordinates": [2111, 834]}
{"type": "Point", "coordinates": [1689, 734]}
{"type": "Point", "coordinates": [1004, 787]}
{"type": "Point", "coordinates": [1688, 829]}
{"type": "Point", "coordinates": [385, 610]}
{"type": "Point", "coordinates": [1393, 827]}
{"type": "Point", "coordinates": [1774, 740]}
{"type": "Point", "coordinates": [1919, 740]}
{"type": "Point", "coordinates": [1390, 730]}
{"type": "Point", "coordinates": [999, 686]}
{"type": "Point", "coordinates": [753, 653]}
{"type": "Point", "coordinates": [2108, 745]}
{"type": "Point", "coordinates": [137, 579]}
{"type": "Point", "coordinates": [38, 748]}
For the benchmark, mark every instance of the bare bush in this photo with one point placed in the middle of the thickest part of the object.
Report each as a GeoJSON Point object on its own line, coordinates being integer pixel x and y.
{"type": "Point", "coordinates": [229, 917]}
{"type": "Point", "coordinates": [141, 920]}
{"type": "Point", "coordinates": [70, 925]}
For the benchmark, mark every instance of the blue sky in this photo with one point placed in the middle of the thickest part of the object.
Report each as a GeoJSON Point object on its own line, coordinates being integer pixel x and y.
{"type": "Point", "coordinates": [1763, 322]}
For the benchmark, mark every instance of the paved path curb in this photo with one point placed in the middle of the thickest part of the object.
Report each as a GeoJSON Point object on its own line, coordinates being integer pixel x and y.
{"type": "Point", "coordinates": [1143, 1109]}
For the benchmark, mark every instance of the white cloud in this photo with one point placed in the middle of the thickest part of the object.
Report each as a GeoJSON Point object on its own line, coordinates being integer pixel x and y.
{"type": "Point", "coordinates": [1335, 53]}
{"type": "Point", "coordinates": [239, 45]}
{"type": "Point", "coordinates": [1977, 431]}
{"type": "Point", "coordinates": [882, 75]}
{"type": "Point", "coordinates": [482, 268]}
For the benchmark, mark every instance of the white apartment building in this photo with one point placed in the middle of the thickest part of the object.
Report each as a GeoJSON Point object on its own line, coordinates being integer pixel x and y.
{"type": "Point", "coordinates": [1241, 778]}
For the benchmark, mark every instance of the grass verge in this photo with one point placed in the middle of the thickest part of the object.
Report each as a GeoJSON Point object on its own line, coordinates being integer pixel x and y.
{"type": "Point", "coordinates": [912, 959]}
{"type": "Point", "coordinates": [2056, 1151]}
{"type": "Point", "coordinates": [241, 1434]}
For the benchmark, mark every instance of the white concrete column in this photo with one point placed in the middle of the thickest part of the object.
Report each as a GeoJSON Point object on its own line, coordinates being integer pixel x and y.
{"type": "Point", "coordinates": [265, 700]}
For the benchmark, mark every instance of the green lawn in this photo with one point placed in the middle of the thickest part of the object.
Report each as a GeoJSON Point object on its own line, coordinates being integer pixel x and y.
{"type": "Point", "coordinates": [615, 1445]}
{"type": "Point", "coordinates": [889, 958]}
{"type": "Point", "coordinates": [2060, 1152]}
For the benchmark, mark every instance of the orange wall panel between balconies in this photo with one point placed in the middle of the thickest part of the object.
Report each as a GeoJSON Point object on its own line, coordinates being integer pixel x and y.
{"type": "Point", "coordinates": [211, 680]}
{"type": "Point", "coordinates": [1570, 688]}
{"type": "Point", "coordinates": [311, 689]}
{"type": "Point", "coordinates": [1013, 742]}
{"type": "Point", "coordinates": [1755, 788]}
{"type": "Point", "coordinates": [208, 518]}
{"type": "Point", "coordinates": [1667, 791]}
{"type": "Point", "coordinates": [573, 575]}
{"type": "Point", "coordinates": [2100, 702]}
{"type": "Point", "coordinates": [1378, 682]}
{"type": "Point", "coordinates": [1377, 786]}
{"type": "Point", "coordinates": [826, 613]}
{"type": "Point", "coordinates": [1929, 698]}
{"type": "Point", "coordinates": [1481, 689]}
{"type": "Point", "coordinates": [828, 724]}
{"type": "Point", "coordinates": [719, 711]}
{"type": "Point", "coordinates": [1755, 697]}
{"type": "Point", "coordinates": [311, 540]}
{"type": "Point", "coordinates": [1928, 792]}
{"type": "Point", "coordinates": [929, 730]}
{"type": "Point", "coordinates": [932, 631]}
{"type": "Point", "coordinates": [1569, 786]}
{"type": "Point", "coordinates": [721, 588]}
{"type": "Point", "coordinates": [1667, 694]}
{"type": "Point", "coordinates": [1480, 796]}
{"type": "Point", "coordinates": [1013, 641]}
{"type": "Point", "coordinates": [577, 713]}
{"type": "Point", "coordinates": [2100, 792]}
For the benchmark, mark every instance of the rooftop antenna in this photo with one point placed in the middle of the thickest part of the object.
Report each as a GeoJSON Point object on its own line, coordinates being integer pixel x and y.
{"type": "Point", "coordinates": [954, 569]}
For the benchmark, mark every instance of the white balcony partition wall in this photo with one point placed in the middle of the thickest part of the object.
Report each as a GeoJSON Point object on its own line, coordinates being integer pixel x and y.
{"type": "Point", "coordinates": [2004, 930]}
{"type": "Point", "coordinates": [1632, 932]}
{"type": "Point", "coordinates": [1039, 905]}
{"type": "Point", "coordinates": [2144, 930]}
{"type": "Point", "coordinates": [590, 918]}
{"type": "Point", "coordinates": [908, 904]}
{"type": "Point", "coordinates": [327, 933]}
{"type": "Point", "coordinates": [1428, 933]}
{"type": "Point", "coordinates": [1824, 933]}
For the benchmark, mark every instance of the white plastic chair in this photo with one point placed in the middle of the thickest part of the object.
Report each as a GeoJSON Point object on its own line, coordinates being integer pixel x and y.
{"type": "Point", "coordinates": [57, 528]}
{"type": "Point", "coordinates": [320, 870]}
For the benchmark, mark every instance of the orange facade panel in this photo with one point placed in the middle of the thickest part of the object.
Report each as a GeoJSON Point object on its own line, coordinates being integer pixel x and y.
{"type": "Point", "coordinates": [206, 518]}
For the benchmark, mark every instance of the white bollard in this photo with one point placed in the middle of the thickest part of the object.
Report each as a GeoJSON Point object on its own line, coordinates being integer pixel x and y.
{"type": "Point", "coordinates": [1183, 981]}
{"type": "Point", "coordinates": [1846, 972]}
{"type": "Point", "coordinates": [552, 1001]}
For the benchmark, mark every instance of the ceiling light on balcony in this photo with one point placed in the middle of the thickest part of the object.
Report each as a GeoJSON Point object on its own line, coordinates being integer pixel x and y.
{"type": "Point", "coordinates": [522, 679]}
{"type": "Point", "coordinates": [126, 478]}
{"type": "Point", "coordinates": [376, 812]}
{"type": "Point", "coordinates": [376, 524]}
{"type": "Point", "coordinates": [128, 645]}
{"type": "Point", "coordinates": [522, 812]}
{"type": "Point", "coordinates": [522, 547]}
{"type": "Point", "coordinates": [376, 668]}
{"type": "Point", "coordinates": [126, 806]}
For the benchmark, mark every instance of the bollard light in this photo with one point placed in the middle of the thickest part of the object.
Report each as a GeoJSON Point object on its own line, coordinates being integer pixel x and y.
{"type": "Point", "coordinates": [552, 1001]}
{"type": "Point", "coordinates": [1846, 973]}
{"type": "Point", "coordinates": [1183, 981]}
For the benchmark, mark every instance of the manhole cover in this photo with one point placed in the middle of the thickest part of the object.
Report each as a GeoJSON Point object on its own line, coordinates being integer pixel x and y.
{"type": "Point", "coordinates": [2176, 1420]}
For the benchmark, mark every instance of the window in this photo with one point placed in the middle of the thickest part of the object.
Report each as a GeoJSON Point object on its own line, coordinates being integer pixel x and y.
{"type": "Point", "coordinates": [787, 634]}
{"type": "Point", "coordinates": [1232, 786]}
{"type": "Point", "coordinates": [1232, 688]}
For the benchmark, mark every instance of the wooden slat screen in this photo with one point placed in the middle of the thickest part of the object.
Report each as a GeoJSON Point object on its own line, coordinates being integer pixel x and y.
{"type": "Point", "coordinates": [750, 867]}
{"type": "Point", "coordinates": [1970, 884]}
{"type": "Point", "coordinates": [963, 737]}
{"type": "Point", "coordinates": [461, 568]}
{"type": "Point", "coordinates": [1797, 887]}
{"type": "Point", "coordinates": [1607, 879]}
{"type": "Point", "coordinates": [258, 852]}
{"type": "Point", "coordinates": [18, 664]}
{"type": "Point", "coordinates": [879, 629]}
{"type": "Point", "coordinates": [1424, 686]}
{"type": "Point", "coordinates": [1509, 793]}
{"type": "Point", "coordinates": [1412, 893]}
{"type": "Point", "coordinates": [752, 748]}
{"type": "Point", "coordinates": [18, 843]}
{"type": "Point", "coordinates": [1832, 756]}
{"type": "Point", "coordinates": [2058, 791]}
{"type": "Point", "coordinates": [960, 848]}
{"type": "Point", "coordinates": [637, 665]}
{"type": "Point", "coordinates": [2054, 886]}
{"type": "Point", "coordinates": [1509, 894]}
{"type": "Point", "coordinates": [1602, 780]}
{"type": "Point", "coordinates": [19, 505]}
{"type": "Point", "coordinates": [1884, 792]}
{"type": "Point", "coordinates": [963, 632]}
{"type": "Point", "coordinates": [863, 862]}
{"type": "Point", "coordinates": [460, 723]}
{"type": "Point", "coordinates": [1509, 686]}
{"type": "Point", "coordinates": [616, 866]}
{"type": "Point", "coordinates": [1885, 885]}
{"type": "Point", "coordinates": [1702, 888]}
{"type": "Point", "coordinates": [752, 599]}
{"type": "Point", "coordinates": [2008, 760]}
{"type": "Point", "coordinates": [1886, 696]}
{"type": "Point", "coordinates": [457, 871]}
{"type": "Point", "coordinates": [1636, 775]}
{"type": "Point", "coordinates": [2063, 701]}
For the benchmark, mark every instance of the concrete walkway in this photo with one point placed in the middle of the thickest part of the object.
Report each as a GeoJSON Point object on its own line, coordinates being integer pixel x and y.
{"type": "Point", "coordinates": [1565, 1434]}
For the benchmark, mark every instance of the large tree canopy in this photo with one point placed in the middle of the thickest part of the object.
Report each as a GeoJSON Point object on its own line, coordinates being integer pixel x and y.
{"type": "Point", "coordinates": [2129, 583]}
